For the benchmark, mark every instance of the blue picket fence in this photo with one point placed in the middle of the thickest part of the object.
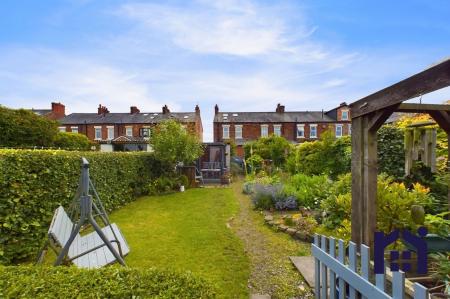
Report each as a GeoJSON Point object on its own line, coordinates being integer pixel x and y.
{"type": "Point", "coordinates": [334, 278]}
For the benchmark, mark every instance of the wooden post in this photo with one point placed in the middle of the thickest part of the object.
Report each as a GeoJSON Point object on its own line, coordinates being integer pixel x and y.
{"type": "Point", "coordinates": [357, 179]}
{"type": "Point", "coordinates": [448, 167]}
{"type": "Point", "coordinates": [364, 180]}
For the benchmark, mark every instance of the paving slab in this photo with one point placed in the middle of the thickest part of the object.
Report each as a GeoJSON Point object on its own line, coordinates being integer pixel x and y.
{"type": "Point", "coordinates": [305, 265]}
{"type": "Point", "coordinates": [260, 296]}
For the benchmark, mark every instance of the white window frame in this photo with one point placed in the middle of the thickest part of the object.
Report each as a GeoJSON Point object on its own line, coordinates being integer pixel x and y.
{"type": "Point", "coordinates": [310, 131]}
{"type": "Point", "coordinates": [128, 130]}
{"type": "Point", "coordinates": [109, 128]}
{"type": "Point", "coordinates": [342, 115]}
{"type": "Point", "coordinates": [62, 129]}
{"type": "Point", "coordinates": [349, 129]}
{"type": "Point", "coordinates": [148, 130]}
{"type": "Point", "coordinates": [74, 129]}
{"type": "Point", "coordinates": [227, 135]}
{"type": "Point", "coordinates": [302, 127]}
{"type": "Point", "coordinates": [277, 130]}
{"type": "Point", "coordinates": [238, 131]}
{"type": "Point", "coordinates": [97, 129]}
{"type": "Point", "coordinates": [336, 130]}
{"type": "Point", "coordinates": [265, 128]}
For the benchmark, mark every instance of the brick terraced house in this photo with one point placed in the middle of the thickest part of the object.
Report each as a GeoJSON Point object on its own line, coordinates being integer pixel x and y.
{"type": "Point", "coordinates": [127, 131]}
{"type": "Point", "coordinates": [295, 126]}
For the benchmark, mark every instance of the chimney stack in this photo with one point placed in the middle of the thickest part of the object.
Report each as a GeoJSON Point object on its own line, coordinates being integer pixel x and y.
{"type": "Point", "coordinates": [165, 109]}
{"type": "Point", "coordinates": [58, 110]}
{"type": "Point", "coordinates": [343, 104]}
{"type": "Point", "coordinates": [216, 109]}
{"type": "Point", "coordinates": [102, 110]}
{"type": "Point", "coordinates": [197, 110]}
{"type": "Point", "coordinates": [280, 108]}
{"type": "Point", "coordinates": [134, 110]}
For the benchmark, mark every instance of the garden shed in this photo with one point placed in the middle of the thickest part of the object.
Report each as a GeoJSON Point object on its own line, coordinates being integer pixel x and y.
{"type": "Point", "coordinates": [368, 115]}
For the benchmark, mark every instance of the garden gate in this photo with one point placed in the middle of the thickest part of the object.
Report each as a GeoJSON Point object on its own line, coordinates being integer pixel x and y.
{"type": "Point", "coordinates": [335, 279]}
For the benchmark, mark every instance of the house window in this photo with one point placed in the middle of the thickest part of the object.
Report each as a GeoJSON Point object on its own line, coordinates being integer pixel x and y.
{"type": "Point", "coordinates": [264, 130]}
{"type": "Point", "coordinates": [277, 130]}
{"type": "Point", "coordinates": [110, 132]}
{"type": "Point", "coordinates": [238, 131]}
{"type": "Point", "coordinates": [74, 129]}
{"type": "Point", "coordinates": [338, 130]}
{"type": "Point", "coordinates": [300, 131]}
{"type": "Point", "coordinates": [129, 131]}
{"type": "Point", "coordinates": [313, 131]}
{"type": "Point", "coordinates": [349, 129]}
{"type": "Point", "coordinates": [344, 115]}
{"type": "Point", "coordinates": [145, 132]}
{"type": "Point", "coordinates": [98, 133]}
{"type": "Point", "coordinates": [62, 129]}
{"type": "Point", "coordinates": [226, 132]}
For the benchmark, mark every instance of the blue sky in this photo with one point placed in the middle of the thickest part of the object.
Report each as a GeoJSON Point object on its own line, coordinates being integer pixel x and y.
{"type": "Point", "coordinates": [242, 55]}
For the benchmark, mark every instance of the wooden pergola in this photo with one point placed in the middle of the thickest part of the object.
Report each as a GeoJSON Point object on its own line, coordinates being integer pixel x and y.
{"type": "Point", "coordinates": [368, 115]}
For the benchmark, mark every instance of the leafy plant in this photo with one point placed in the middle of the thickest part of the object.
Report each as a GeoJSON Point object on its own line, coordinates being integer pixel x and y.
{"type": "Point", "coordinates": [328, 156]}
{"type": "Point", "coordinates": [73, 141]}
{"type": "Point", "coordinates": [22, 128]}
{"type": "Point", "coordinates": [308, 190]}
{"type": "Point", "coordinates": [265, 196]}
{"type": "Point", "coordinates": [273, 148]}
{"type": "Point", "coordinates": [286, 203]}
{"type": "Point", "coordinates": [108, 282]}
{"type": "Point", "coordinates": [391, 152]}
{"type": "Point", "coordinates": [437, 224]}
{"type": "Point", "coordinates": [172, 144]}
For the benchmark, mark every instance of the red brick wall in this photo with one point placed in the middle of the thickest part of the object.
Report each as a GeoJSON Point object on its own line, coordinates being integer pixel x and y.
{"type": "Point", "coordinates": [120, 130]}
{"type": "Point", "coordinates": [252, 131]}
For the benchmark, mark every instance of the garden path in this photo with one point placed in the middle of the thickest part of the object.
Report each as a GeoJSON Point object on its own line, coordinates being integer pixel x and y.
{"type": "Point", "coordinates": [271, 270]}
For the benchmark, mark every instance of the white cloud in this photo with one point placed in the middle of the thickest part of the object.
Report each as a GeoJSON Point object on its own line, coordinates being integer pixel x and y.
{"type": "Point", "coordinates": [36, 77]}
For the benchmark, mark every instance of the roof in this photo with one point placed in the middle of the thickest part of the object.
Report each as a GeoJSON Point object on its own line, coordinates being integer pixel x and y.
{"type": "Point", "coordinates": [126, 118]}
{"type": "Point", "coordinates": [273, 117]}
{"type": "Point", "coordinates": [126, 139]}
{"type": "Point", "coordinates": [41, 111]}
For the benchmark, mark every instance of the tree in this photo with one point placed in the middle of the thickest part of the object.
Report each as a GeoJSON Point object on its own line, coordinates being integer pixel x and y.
{"type": "Point", "coordinates": [391, 153]}
{"type": "Point", "coordinates": [24, 128]}
{"type": "Point", "coordinates": [173, 144]}
{"type": "Point", "coordinates": [72, 141]}
{"type": "Point", "coordinates": [275, 148]}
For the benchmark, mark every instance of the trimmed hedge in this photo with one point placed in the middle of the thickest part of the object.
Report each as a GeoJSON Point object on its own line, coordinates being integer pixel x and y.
{"type": "Point", "coordinates": [33, 183]}
{"type": "Point", "coordinates": [109, 282]}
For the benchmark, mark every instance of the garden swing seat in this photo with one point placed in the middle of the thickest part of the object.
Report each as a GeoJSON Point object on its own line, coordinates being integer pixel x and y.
{"type": "Point", "coordinates": [87, 251]}
{"type": "Point", "coordinates": [103, 246]}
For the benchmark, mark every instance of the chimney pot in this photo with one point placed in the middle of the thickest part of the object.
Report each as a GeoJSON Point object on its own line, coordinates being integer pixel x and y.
{"type": "Point", "coordinates": [197, 110]}
{"type": "Point", "coordinates": [216, 109]}
{"type": "Point", "coordinates": [134, 110]}
{"type": "Point", "coordinates": [102, 109]}
{"type": "Point", "coordinates": [280, 108]}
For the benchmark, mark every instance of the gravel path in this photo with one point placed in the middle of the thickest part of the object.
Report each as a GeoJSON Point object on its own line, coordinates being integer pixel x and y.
{"type": "Point", "coordinates": [271, 270]}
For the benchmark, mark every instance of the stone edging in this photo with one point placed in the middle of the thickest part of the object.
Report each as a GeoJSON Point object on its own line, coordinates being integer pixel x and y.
{"type": "Point", "coordinates": [296, 234]}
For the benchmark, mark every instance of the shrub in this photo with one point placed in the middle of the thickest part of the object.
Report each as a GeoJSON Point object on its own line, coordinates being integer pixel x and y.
{"type": "Point", "coordinates": [109, 282]}
{"type": "Point", "coordinates": [72, 141]}
{"type": "Point", "coordinates": [308, 190]}
{"type": "Point", "coordinates": [286, 203]}
{"type": "Point", "coordinates": [273, 148]}
{"type": "Point", "coordinates": [25, 128]}
{"type": "Point", "coordinates": [306, 224]}
{"type": "Point", "coordinates": [183, 181]}
{"type": "Point", "coordinates": [327, 156]}
{"type": "Point", "coordinates": [394, 203]}
{"type": "Point", "coordinates": [34, 183]}
{"type": "Point", "coordinates": [265, 196]}
{"type": "Point", "coordinates": [391, 152]}
{"type": "Point", "coordinates": [247, 187]}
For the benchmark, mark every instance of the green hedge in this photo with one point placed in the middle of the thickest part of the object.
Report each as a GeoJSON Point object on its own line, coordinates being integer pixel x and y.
{"type": "Point", "coordinates": [110, 282]}
{"type": "Point", "coordinates": [33, 183]}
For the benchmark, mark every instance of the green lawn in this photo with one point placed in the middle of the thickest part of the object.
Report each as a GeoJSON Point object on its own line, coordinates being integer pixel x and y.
{"type": "Point", "coordinates": [188, 232]}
